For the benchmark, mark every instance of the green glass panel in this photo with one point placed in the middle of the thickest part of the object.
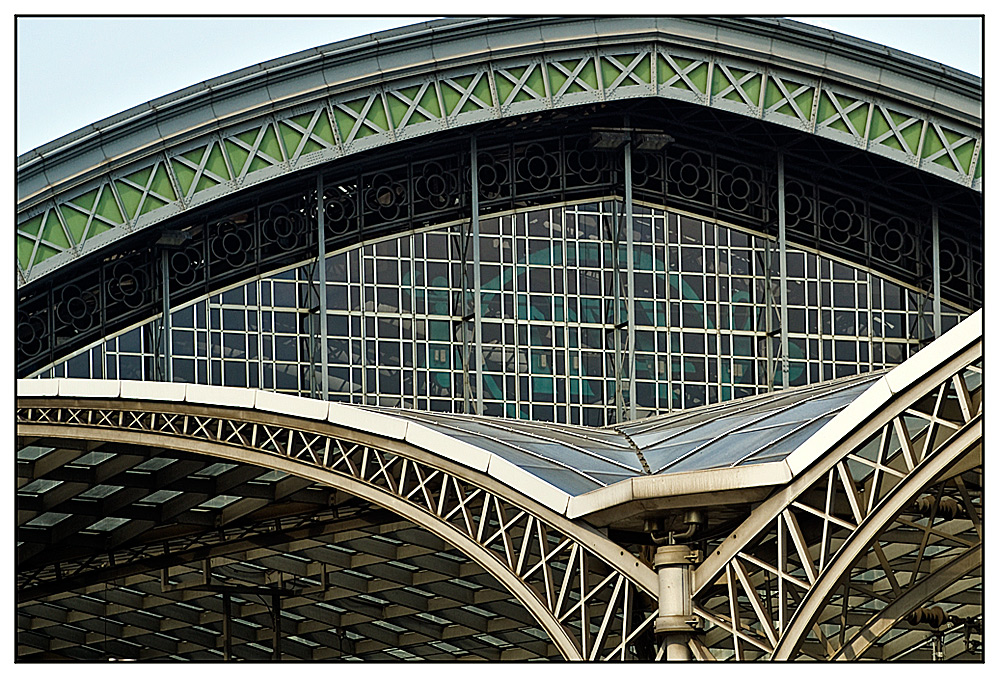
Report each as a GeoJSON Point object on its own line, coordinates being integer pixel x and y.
{"type": "Point", "coordinates": [53, 232]}
{"type": "Point", "coordinates": [291, 138]}
{"type": "Point", "coordinates": [108, 208]}
{"type": "Point", "coordinates": [25, 246]}
{"type": "Point", "coordinates": [161, 184]}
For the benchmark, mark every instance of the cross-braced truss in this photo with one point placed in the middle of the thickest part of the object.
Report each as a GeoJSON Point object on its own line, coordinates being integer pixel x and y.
{"type": "Point", "coordinates": [888, 521]}
{"type": "Point", "coordinates": [589, 597]}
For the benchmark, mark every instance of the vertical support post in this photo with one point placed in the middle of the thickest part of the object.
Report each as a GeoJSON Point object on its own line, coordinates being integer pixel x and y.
{"type": "Point", "coordinates": [168, 367]}
{"type": "Point", "coordinates": [321, 273]}
{"type": "Point", "coordinates": [768, 316]}
{"type": "Point", "coordinates": [936, 262]}
{"type": "Point", "coordinates": [782, 271]}
{"type": "Point", "coordinates": [227, 627]}
{"type": "Point", "coordinates": [477, 294]}
{"type": "Point", "coordinates": [630, 274]}
{"type": "Point", "coordinates": [675, 623]}
{"type": "Point", "coordinates": [617, 315]}
{"type": "Point", "coordinates": [276, 623]}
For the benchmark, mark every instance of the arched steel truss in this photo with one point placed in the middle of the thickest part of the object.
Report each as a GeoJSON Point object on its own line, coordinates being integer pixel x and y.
{"type": "Point", "coordinates": [883, 518]}
{"type": "Point", "coordinates": [835, 560]}
{"type": "Point", "coordinates": [593, 598]}
{"type": "Point", "coordinates": [710, 170]}
{"type": "Point", "coordinates": [186, 151]}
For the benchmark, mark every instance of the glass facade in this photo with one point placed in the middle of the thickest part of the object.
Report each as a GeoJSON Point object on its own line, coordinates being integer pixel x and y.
{"type": "Point", "coordinates": [554, 301]}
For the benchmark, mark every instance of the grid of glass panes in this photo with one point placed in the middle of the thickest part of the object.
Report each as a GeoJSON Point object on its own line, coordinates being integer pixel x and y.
{"type": "Point", "coordinates": [400, 312]}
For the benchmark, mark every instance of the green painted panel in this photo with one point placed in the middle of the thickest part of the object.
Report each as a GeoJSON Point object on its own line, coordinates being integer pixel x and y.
{"type": "Point", "coordinates": [978, 174]}
{"type": "Point", "coordinates": [85, 201]}
{"type": "Point", "coordinates": [216, 164]}
{"type": "Point", "coordinates": [53, 232]}
{"type": "Point", "coordinates": [398, 107]}
{"type": "Point", "coordinates": [643, 70]}
{"type": "Point", "coordinates": [107, 207]}
{"type": "Point", "coordinates": [805, 101]}
{"type": "Point", "coordinates": [237, 157]}
{"type": "Point", "coordinates": [557, 78]}
{"type": "Point", "coordinates": [31, 226]}
{"type": "Point", "coordinates": [482, 92]}
{"type": "Point", "coordinates": [76, 222]}
{"type": "Point", "coordinates": [698, 76]}
{"type": "Point", "coordinates": [773, 95]}
{"type": "Point", "coordinates": [184, 174]}
{"type": "Point", "coordinates": [537, 84]}
{"type": "Point", "coordinates": [376, 115]}
{"type": "Point", "coordinates": [880, 125]}
{"type": "Point", "coordinates": [132, 197]}
{"type": "Point", "coordinates": [609, 72]}
{"type": "Point", "coordinates": [290, 137]}
{"type": "Point", "coordinates": [161, 184]}
{"type": "Point", "coordinates": [859, 118]}
{"type": "Point", "coordinates": [44, 252]}
{"type": "Point", "coordinates": [25, 246]}
{"type": "Point", "coordinates": [271, 147]}
{"type": "Point", "coordinates": [429, 102]}
{"type": "Point", "coordinates": [664, 71]}
{"type": "Point", "coordinates": [323, 130]}
{"type": "Point", "coordinates": [505, 85]}
{"type": "Point", "coordinates": [345, 123]}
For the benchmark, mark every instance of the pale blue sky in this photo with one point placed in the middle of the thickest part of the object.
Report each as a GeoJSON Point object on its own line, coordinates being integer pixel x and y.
{"type": "Point", "coordinates": [75, 71]}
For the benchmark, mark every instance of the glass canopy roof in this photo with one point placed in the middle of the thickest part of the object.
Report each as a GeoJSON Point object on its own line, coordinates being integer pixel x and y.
{"type": "Point", "coordinates": [576, 459]}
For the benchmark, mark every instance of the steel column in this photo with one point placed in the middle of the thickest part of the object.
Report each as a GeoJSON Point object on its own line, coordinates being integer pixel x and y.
{"type": "Point", "coordinates": [227, 627]}
{"type": "Point", "coordinates": [477, 280]}
{"type": "Point", "coordinates": [617, 315]}
{"type": "Point", "coordinates": [630, 275]}
{"type": "Point", "coordinates": [321, 272]}
{"type": "Point", "coordinates": [936, 263]}
{"type": "Point", "coordinates": [675, 621]}
{"type": "Point", "coordinates": [168, 369]}
{"type": "Point", "coordinates": [782, 272]}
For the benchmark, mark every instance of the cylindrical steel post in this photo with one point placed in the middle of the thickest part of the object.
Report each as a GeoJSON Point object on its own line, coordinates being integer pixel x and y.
{"type": "Point", "coordinates": [675, 623]}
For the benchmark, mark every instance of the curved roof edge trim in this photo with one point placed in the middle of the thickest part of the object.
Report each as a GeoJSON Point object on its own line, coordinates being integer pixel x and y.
{"type": "Point", "coordinates": [645, 488]}
{"type": "Point", "coordinates": [345, 416]}
{"type": "Point", "coordinates": [190, 148]}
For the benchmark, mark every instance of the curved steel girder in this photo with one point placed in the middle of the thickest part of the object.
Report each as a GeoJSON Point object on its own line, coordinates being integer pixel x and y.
{"type": "Point", "coordinates": [887, 618]}
{"type": "Point", "coordinates": [230, 137]}
{"type": "Point", "coordinates": [867, 532]}
{"type": "Point", "coordinates": [831, 465]}
{"type": "Point", "coordinates": [883, 411]}
{"type": "Point", "coordinates": [422, 504]}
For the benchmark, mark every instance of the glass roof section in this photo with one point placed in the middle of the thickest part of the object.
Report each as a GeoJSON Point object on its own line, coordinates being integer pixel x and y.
{"type": "Point", "coordinates": [577, 459]}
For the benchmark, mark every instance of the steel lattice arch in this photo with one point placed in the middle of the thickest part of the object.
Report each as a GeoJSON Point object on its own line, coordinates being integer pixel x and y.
{"type": "Point", "coordinates": [586, 339]}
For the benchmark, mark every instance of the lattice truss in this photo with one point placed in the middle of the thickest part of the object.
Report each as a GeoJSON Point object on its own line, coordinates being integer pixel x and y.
{"type": "Point", "coordinates": [200, 169]}
{"type": "Point", "coordinates": [599, 607]}
{"type": "Point", "coordinates": [882, 528]}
